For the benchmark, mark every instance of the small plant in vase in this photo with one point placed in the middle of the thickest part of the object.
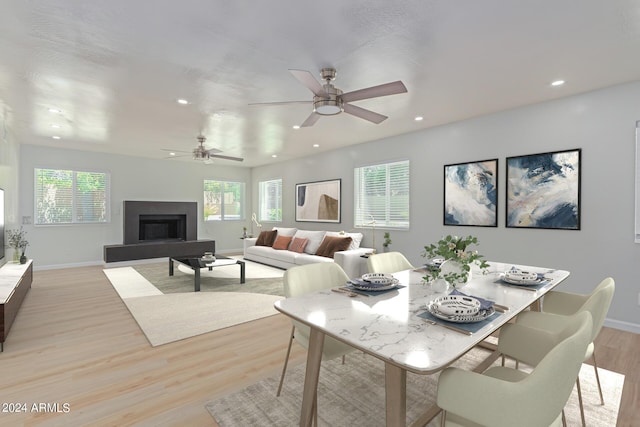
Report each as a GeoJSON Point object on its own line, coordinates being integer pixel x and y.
{"type": "Point", "coordinates": [386, 242]}
{"type": "Point", "coordinates": [16, 239]}
{"type": "Point", "coordinates": [455, 259]}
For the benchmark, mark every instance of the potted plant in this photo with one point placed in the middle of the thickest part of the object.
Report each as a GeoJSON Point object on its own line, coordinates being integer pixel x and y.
{"type": "Point", "coordinates": [451, 259]}
{"type": "Point", "coordinates": [386, 242]}
{"type": "Point", "coordinates": [16, 239]}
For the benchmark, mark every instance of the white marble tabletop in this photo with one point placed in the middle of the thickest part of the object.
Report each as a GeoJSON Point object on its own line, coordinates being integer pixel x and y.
{"type": "Point", "coordinates": [387, 326]}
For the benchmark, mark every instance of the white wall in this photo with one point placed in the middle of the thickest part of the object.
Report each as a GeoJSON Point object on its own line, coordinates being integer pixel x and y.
{"type": "Point", "coordinates": [602, 123]}
{"type": "Point", "coordinates": [132, 178]}
{"type": "Point", "coordinates": [9, 150]}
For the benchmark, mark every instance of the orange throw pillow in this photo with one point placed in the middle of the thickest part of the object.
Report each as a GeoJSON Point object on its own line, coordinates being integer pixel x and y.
{"type": "Point", "coordinates": [282, 242]}
{"type": "Point", "coordinates": [298, 244]}
{"type": "Point", "coordinates": [331, 245]}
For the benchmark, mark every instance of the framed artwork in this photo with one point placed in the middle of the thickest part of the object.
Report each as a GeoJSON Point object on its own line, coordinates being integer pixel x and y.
{"type": "Point", "coordinates": [543, 190]}
{"type": "Point", "coordinates": [471, 193]}
{"type": "Point", "coordinates": [318, 201]}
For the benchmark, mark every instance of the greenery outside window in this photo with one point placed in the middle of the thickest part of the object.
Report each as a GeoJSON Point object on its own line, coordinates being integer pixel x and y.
{"type": "Point", "coordinates": [382, 194]}
{"type": "Point", "coordinates": [270, 200]}
{"type": "Point", "coordinates": [71, 197]}
{"type": "Point", "coordinates": [223, 200]}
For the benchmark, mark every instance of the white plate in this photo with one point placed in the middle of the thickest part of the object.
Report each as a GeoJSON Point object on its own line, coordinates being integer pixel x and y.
{"type": "Point", "coordinates": [378, 278]}
{"type": "Point", "coordinates": [375, 288]}
{"type": "Point", "coordinates": [457, 304]}
{"type": "Point", "coordinates": [461, 318]}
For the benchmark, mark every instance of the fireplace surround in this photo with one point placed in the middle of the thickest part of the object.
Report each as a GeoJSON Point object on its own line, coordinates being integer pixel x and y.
{"type": "Point", "coordinates": [154, 222]}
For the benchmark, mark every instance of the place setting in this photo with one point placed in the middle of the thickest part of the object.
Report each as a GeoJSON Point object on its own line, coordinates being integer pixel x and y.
{"type": "Point", "coordinates": [523, 279]}
{"type": "Point", "coordinates": [370, 284]}
{"type": "Point", "coordinates": [461, 313]}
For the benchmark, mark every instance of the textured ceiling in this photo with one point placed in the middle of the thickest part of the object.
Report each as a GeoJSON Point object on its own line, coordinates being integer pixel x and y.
{"type": "Point", "coordinates": [116, 68]}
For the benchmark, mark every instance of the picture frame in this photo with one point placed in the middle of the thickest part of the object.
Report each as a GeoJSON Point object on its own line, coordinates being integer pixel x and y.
{"type": "Point", "coordinates": [543, 190]}
{"type": "Point", "coordinates": [471, 194]}
{"type": "Point", "coordinates": [319, 201]}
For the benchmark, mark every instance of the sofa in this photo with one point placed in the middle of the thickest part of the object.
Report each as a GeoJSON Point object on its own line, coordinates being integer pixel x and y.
{"type": "Point", "coordinates": [288, 247]}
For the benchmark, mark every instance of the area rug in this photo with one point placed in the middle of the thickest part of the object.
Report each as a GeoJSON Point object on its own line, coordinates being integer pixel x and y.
{"type": "Point", "coordinates": [167, 309]}
{"type": "Point", "coordinates": [353, 395]}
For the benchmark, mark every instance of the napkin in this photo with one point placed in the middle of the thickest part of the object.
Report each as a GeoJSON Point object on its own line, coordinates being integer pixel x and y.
{"type": "Point", "coordinates": [485, 304]}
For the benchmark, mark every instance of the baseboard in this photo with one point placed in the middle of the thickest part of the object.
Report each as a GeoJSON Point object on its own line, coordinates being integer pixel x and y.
{"type": "Point", "coordinates": [623, 326]}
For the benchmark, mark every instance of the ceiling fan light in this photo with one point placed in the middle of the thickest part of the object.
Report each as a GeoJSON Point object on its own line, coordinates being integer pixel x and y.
{"type": "Point", "coordinates": [327, 107]}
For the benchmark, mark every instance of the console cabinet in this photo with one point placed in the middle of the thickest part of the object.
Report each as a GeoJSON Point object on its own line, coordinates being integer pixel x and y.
{"type": "Point", "coordinates": [15, 282]}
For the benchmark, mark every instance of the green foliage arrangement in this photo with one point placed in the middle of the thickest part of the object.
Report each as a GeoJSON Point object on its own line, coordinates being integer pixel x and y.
{"type": "Point", "coordinates": [16, 239]}
{"type": "Point", "coordinates": [453, 248]}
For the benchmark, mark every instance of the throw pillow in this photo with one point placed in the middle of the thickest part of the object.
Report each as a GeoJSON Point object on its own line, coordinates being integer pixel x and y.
{"type": "Point", "coordinates": [298, 245]}
{"type": "Point", "coordinates": [266, 238]}
{"type": "Point", "coordinates": [356, 238]}
{"type": "Point", "coordinates": [282, 242]}
{"type": "Point", "coordinates": [315, 238]}
{"type": "Point", "coordinates": [331, 245]}
{"type": "Point", "coordinates": [283, 231]}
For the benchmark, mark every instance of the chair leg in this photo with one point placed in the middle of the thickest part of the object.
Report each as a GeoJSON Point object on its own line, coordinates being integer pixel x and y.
{"type": "Point", "coordinates": [286, 361]}
{"type": "Point", "coordinates": [343, 356]}
{"type": "Point", "coordinates": [584, 423]}
{"type": "Point", "coordinates": [564, 419]}
{"type": "Point", "coordinates": [595, 368]}
{"type": "Point", "coordinates": [443, 418]}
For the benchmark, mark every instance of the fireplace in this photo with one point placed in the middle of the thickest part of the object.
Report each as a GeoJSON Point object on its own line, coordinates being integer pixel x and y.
{"type": "Point", "coordinates": [155, 222]}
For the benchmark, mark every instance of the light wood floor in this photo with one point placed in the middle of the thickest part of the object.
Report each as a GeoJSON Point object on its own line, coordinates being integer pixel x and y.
{"type": "Point", "coordinates": [75, 343]}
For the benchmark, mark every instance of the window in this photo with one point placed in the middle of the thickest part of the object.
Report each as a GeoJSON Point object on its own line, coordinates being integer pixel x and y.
{"type": "Point", "coordinates": [71, 197]}
{"type": "Point", "coordinates": [223, 200]}
{"type": "Point", "coordinates": [270, 200]}
{"type": "Point", "coordinates": [382, 194]}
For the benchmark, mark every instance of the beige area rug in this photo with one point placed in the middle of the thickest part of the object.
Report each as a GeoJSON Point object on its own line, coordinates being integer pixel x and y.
{"type": "Point", "coordinates": [353, 395]}
{"type": "Point", "coordinates": [179, 314]}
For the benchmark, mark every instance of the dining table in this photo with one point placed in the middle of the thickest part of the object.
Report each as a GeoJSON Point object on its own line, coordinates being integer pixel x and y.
{"type": "Point", "coordinates": [396, 327]}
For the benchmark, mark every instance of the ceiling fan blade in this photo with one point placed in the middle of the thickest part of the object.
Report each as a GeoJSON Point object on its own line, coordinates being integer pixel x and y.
{"type": "Point", "coordinates": [281, 103]}
{"type": "Point", "coordinates": [174, 151]}
{"type": "Point", "coordinates": [219, 156]}
{"type": "Point", "coordinates": [307, 79]}
{"type": "Point", "coordinates": [375, 91]}
{"type": "Point", "coordinates": [364, 114]}
{"type": "Point", "coordinates": [211, 151]}
{"type": "Point", "coordinates": [311, 120]}
{"type": "Point", "coordinates": [175, 157]}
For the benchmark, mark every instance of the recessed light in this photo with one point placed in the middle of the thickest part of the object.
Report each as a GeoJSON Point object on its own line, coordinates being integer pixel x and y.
{"type": "Point", "coordinates": [418, 118]}
{"type": "Point", "coordinates": [316, 145]}
{"type": "Point", "coordinates": [274, 155]}
{"type": "Point", "coordinates": [183, 101]}
{"type": "Point", "coordinates": [557, 83]}
{"type": "Point", "coordinates": [296, 126]}
{"type": "Point", "coordinates": [56, 126]}
{"type": "Point", "coordinates": [55, 110]}
{"type": "Point", "coordinates": [172, 154]}
{"type": "Point", "coordinates": [55, 137]}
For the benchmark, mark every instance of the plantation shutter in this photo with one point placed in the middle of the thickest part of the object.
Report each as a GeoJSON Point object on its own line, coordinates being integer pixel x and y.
{"type": "Point", "coordinates": [382, 194]}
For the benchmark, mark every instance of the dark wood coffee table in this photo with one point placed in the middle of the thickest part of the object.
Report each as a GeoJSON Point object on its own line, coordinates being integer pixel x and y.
{"type": "Point", "coordinates": [196, 264]}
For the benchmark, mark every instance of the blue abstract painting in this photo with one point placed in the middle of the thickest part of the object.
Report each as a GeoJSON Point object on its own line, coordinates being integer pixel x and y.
{"type": "Point", "coordinates": [471, 193]}
{"type": "Point", "coordinates": [543, 190]}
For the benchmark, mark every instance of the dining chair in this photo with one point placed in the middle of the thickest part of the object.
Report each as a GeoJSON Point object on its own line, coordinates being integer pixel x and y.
{"type": "Point", "coordinates": [305, 279]}
{"type": "Point", "coordinates": [388, 262]}
{"type": "Point", "coordinates": [506, 397]}
{"type": "Point", "coordinates": [557, 307]}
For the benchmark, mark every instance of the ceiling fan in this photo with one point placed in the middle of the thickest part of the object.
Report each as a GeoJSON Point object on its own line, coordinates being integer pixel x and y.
{"type": "Point", "coordinates": [202, 153]}
{"type": "Point", "coordinates": [328, 100]}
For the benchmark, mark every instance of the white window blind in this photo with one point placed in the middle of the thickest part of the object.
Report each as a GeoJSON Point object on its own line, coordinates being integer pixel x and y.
{"type": "Point", "coordinates": [382, 194]}
{"type": "Point", "coordinates": [270, 200]}
{"type": "Point", "coordinates": [68, 197]}
{"type": "Point", "coordinates": [223, 200]}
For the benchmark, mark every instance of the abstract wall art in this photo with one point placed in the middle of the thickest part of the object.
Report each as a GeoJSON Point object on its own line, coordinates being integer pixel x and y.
{"type": "Point", "coordinates": [543, 190]}
{"type": "Point", "coordinates": [471, 193]}
{"type": "Point", "coordinates": [318, 201]}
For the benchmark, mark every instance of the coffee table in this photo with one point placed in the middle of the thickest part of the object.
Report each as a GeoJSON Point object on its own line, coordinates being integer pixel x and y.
{"type": "Point", "coordinates": [197, 263]}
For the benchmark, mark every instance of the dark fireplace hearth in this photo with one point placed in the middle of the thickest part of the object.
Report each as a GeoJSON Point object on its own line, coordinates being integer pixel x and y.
{"type": "Point", "coordinates": [154, 222]}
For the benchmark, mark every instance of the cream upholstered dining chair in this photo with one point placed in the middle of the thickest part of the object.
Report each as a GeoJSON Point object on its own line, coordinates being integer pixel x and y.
{"type": "Point", "coordinates": [507, 397]}
{"type": "Point", "coordinates": [388, 262]}
{"type": "Point", "coordinates": [556, 307]}
{"type": "Point", "coordinates": [305, 279]}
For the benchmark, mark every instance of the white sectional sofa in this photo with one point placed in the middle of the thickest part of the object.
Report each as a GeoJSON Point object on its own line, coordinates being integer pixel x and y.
{"type": "Point", "coordinates": [350, 260]}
